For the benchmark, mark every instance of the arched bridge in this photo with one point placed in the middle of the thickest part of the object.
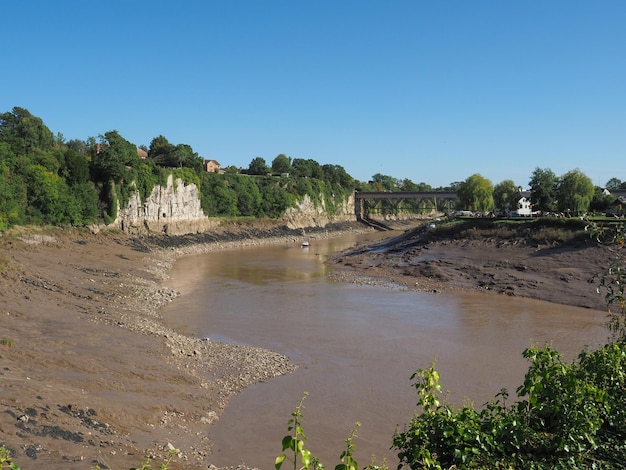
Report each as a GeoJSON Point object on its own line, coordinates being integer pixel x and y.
{"type": "Point", "coordinates": [387, 202]}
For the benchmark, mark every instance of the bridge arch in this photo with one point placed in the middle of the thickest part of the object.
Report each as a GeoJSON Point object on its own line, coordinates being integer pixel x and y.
{"type": "Point", "coordinates": [367, 201]}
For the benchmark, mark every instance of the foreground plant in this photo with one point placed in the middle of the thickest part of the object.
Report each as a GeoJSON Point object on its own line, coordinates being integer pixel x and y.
{"type": "Point", "coordinates": [613, 280]}
{"type": "Point", "coordinates": [569, 416]}
{"type": "Point", "coordinates": [294, 451]}
{"type": "Point", "coordinates": [148, 463]}
{"type": "Point", "coordinates": [294, 443]}
{"type": "Point", "coordinates": [164, 466]}
{"type": "Point", "coordinates": [6, 461]}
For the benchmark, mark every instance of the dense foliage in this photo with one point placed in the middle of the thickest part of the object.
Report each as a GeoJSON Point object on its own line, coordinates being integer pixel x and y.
{"type": "Point", "coordinates": [48, 180]}
{"type": "Point", "coordinates": [567, 416]}
{"type": "Point", "coordinates": [45, 179]}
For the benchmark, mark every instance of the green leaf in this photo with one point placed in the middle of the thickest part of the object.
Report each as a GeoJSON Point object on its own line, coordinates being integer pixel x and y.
{"type": "Point", "coordinates": [287, 442]}
{"type": "Point", "coordinates": [279, 461]}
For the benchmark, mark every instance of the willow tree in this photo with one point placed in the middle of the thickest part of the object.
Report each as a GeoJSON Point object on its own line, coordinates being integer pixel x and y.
{"type": "Point", "coordinates": [476, 194]}
{"type": "Point", "coordinates": [575, 192]}
{"type": "Point", "coordinates": [506, 195]}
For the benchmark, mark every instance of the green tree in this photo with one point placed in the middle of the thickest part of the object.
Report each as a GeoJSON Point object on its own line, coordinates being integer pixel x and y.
{"type": "Point", "coordinates": [218, 198]}
{"type": "Point", "coordinates": [613, 183]}
{"type": "Point", "coordinates": [307, 168]}
{"type": "Point", "coordinates": [600, 202]}
{"type": "Point", "coordinates": [476, 193]}
{"type": "Point", "coordinates": [186, 157]}
{"type": "Point", "coordinates": [385, 182]}
{"type": "Point", "coordinates": [12, 191]}
{"type": "Point", "coordinates": [336, 174]}
{"type": "Point", "coordinates": [543, 185]}
{"type": "Point", "coordinates": [25, 132]}
{"type": "Point", "coordinates": [575, 192]}
{"type": "Point", "coordinates": [76, 169]}
{"type": "Point", "coordinates": [50, 200]}
{"type": "Point", "coordinates": [162, 152]}
{"type": "Point", "coordinates": [249, 198]}
{"type": "Point", "coordinates": [281, 164]}
{"type": "Point", "coordinates": [506, 196]}
{"type": "Point", "coordinates": [258, 166]}
{"type": "Point", "coordinates": [111, 157]}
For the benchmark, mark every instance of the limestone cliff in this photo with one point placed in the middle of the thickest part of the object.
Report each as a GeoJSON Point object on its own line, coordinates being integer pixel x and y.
{"type": "Point", "coordinates": [175, 209]}
{"type": "Point", "coordinates": [168, 208]}
{"type": "Point", "coordinates": [308, 214]}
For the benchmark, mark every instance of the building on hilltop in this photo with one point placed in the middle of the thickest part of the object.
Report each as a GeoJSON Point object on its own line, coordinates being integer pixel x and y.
{"type": "Point", "coordinates": [212, 166]}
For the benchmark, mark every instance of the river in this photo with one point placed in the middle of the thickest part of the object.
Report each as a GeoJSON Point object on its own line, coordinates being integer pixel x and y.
{"type": "Point", "coordinates": [356, 346]}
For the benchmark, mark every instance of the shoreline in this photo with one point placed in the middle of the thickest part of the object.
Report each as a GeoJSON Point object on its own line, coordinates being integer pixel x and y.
{"type": "Point", "coordinates": [91, 375]}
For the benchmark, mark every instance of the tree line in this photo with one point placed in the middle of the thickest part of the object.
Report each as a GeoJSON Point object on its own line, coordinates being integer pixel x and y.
{"type": "Point", "coordinates": [571, 193]}
{"type": "Point", "coordinates": [47, 179]}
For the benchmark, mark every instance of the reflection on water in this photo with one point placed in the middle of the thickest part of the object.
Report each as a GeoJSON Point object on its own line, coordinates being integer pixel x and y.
{"type": "Point", "coordinates": [356, 346]}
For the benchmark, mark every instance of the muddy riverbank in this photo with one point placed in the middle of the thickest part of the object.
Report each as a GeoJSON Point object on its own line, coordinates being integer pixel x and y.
{"type": "Point", "coordinates": [90, 376]}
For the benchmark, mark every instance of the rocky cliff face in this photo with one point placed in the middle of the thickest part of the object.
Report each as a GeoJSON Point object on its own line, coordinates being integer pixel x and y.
{"type": "Point", "coordinates": [175, 209]}
{"type": "Point", "coordinates": [167, 208]}
{"type": "Point", "coordinates": [307, 214]}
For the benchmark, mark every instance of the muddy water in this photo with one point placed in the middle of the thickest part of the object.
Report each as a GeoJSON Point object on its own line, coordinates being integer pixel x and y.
{"type": "Point", "coordinates": [356, 346]}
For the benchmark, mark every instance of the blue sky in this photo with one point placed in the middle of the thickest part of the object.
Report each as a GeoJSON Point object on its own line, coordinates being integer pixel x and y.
{"type": "Point", "coordinates": [433, 91]}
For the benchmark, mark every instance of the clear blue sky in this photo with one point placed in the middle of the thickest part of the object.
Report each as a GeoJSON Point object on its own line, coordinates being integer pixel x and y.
{"type": "Point", "coordinates": [433, 91]}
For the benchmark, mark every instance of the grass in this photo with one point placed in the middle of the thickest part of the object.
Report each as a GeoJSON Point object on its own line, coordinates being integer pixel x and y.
{"type": "Point", "coordinates": [542, 230]}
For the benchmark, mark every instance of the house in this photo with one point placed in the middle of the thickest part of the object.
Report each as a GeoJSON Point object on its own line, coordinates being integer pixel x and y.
{"type": "Point", "coordinates": [524, 207]}
{"type": "Point", "coordinates": [142, 154]}
{"type": "Point", "coordinates": [212, 166]}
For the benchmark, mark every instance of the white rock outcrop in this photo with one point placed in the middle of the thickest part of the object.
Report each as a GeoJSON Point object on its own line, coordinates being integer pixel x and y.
{"type": "Point", "coordinates": [176, 209]}
{"type": "Point", "coordinates": [163, 209]}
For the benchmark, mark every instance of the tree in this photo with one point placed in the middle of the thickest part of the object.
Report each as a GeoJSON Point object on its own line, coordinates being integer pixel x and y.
{"type": "Point", "coordinates": [575, 192]}
{"type": "Point", "coordinates": [506, 196]}
{"type": "Point", "coordinates": [112, 156]}
{"type": "Point", "coordinates": [476, 193]}
{"type": "Point", "coordinates": [184, 156]}
{"type": "Point", "coordinates": [162, 152]}
{"type": "Point", "coordinates": [76, 169]}
{"type": "Point", "coordinates": [385, 183]}
{"type": "Point", "coordinates": [307, 168]}
{"type": "Point", "coordinates": [336, 174]}
{"type": "Point", "coordinates": [258, 166]}
{"type": "Point", "coordinates": [408, 185]}
{"type": "Point", "coordinates": [281, 164]}
{"type": "Point", "coordinates": [543, 185]}
{"type": "Point", "coordinates": [601, 202]}
{"type": "Point", "coordinates": [25, 132]}
{"type": "Point", "coordinates": [613, 183]}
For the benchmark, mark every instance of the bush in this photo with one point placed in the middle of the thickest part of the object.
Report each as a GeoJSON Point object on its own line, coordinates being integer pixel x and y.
{"type": "Point", "coordinates": [568, 416]}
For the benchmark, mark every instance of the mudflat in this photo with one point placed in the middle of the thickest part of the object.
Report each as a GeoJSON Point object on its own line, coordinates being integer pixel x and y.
{"type": "Point", "coordinates": [90, 376]}
{"type": "Point", "coordinates": [562, 273]}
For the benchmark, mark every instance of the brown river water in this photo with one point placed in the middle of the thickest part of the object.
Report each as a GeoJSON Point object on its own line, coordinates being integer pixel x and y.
{"type": "Point", "coordinates": [356, 346]}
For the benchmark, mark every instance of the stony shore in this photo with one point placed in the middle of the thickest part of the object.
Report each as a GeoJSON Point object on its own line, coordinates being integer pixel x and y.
{"type": "Point", "coordinates": [90, 375]}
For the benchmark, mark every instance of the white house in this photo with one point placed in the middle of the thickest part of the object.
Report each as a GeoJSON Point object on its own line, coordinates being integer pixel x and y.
{"type": "Point", "coordinates": [524, 207]}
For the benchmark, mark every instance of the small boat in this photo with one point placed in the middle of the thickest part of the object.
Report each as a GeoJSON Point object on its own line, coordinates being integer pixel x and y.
{"type": "Point", "coordinates": [305, 244]}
